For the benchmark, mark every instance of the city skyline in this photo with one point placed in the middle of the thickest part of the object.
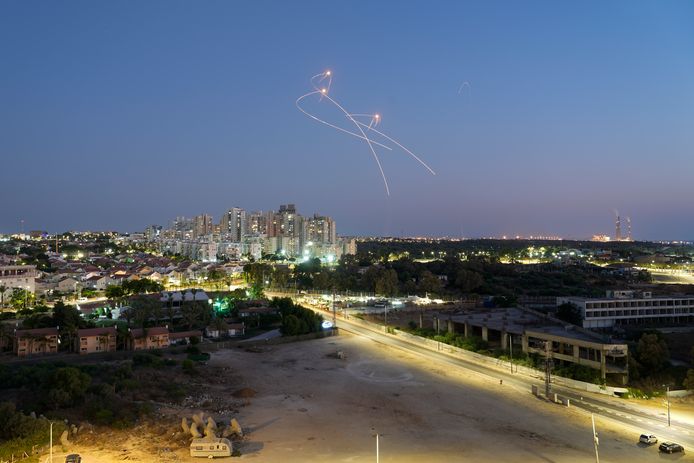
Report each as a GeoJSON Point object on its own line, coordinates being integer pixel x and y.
{"type": "Point", "coordinates": [538, 119]}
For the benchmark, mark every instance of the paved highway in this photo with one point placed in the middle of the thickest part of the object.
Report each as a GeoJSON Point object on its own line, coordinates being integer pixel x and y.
{"type": "Point", "coordinates": [615, 409]}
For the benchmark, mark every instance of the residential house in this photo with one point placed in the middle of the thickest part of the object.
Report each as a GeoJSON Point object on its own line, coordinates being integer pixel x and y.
{"type": "Point", "coordinates": [68, 285]}
{"type": "Point", "coordinates": [91, 340]}
{"type": "Point", "coordinates": [36, 341]}
{"type": "Point", "coordinates": [225, 329]}
{"type": "Point", "coordinates": [156, 337]}
{"type": "Point", "coordinates": [183, 337]}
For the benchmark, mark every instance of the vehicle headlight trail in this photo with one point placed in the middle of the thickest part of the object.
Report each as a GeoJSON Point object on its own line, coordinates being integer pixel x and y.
{"type": "Point", "coordinates": [363, 128]}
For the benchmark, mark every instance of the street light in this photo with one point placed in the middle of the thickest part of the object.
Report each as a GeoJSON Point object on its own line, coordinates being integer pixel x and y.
{"type": "Point", "coordinates": [50, 450]}
{"type": "Point", "coordinates": [667, 395]}
{"type": "Point", "coordinates": [377, 449]}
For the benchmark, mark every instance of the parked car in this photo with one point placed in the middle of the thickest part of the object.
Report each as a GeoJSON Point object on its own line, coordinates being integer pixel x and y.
{"type": "Point", "coordinates": [648, 439]}
{"type": "Point", "coordinates": [73, 458]}
{"type": "Point", "coordinates": [670, 447]}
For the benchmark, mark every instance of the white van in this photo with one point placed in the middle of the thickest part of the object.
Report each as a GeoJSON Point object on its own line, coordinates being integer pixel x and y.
{"type": "Point", "coordinates": [210, 447]}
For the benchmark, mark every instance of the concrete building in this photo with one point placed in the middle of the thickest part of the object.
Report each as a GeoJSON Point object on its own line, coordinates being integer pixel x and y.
{"type": "Point", "coordinates": [156, 337]}
{"type": "Point", "coordinates": [319, 229]}
{"type": "Point", "coordinates": [620, 308]}
{"type": "Point", "coordinates": [533, 333]}
{"type": "Point", "coordinates": [203, 226]}
{"type": "Point", "coordinates": [233, 224]}
{"type": "Point", "coordinates": [17, 276]}
{"type": "Point", "coordinates": [93, 340]}
{"type": "Point", "coordinates": [35, 342]}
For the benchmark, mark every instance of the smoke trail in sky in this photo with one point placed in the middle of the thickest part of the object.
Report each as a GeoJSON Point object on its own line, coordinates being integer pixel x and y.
{"type": "Point", "coordinates": [364, 131]}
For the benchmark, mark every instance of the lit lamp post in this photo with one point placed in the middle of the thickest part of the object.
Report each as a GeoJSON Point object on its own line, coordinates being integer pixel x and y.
{"type": "Point", "coordinates": [667, 395]}
{"type": "Point", "coordinates": [377, 449]}
{"type": "Point", "coordinates": [50, 449]}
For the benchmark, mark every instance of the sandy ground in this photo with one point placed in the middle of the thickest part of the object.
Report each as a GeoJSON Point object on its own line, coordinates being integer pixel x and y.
{"type": "Point", "coordinates": [311, 406]}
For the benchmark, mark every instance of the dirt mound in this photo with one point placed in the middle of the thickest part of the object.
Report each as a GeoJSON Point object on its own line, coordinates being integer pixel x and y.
{"type": "Point", "coordinates": [244, 393]}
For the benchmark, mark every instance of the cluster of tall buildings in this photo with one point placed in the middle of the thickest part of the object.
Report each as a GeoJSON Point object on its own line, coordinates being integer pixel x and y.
{"type": "Point", "coordinates": [240, 234]}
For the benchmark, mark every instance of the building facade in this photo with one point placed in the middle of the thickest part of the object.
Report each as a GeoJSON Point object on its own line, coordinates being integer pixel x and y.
{"type": "Point", "coordinates": [18, 276]}
{"type": "Point", "coordinates": [633, 308]}
{"type": "Point", "coordinates": [94, 340]}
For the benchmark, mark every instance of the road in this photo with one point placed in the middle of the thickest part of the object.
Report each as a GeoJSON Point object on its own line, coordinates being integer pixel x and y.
{"type": "Point", "coordinates": [623, 413]}
{"type": "Point", "coordinates": [614, 409]}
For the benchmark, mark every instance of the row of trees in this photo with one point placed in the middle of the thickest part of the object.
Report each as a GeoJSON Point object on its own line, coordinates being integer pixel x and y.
{"type": "Point", "coordinates": [19, 298]}
{"type": "Point", "coordinates": [448, 276]}
{"type": "Point", "coordinates": [296, 320]}
{"type": "Point", "coordinates": [130, 287]}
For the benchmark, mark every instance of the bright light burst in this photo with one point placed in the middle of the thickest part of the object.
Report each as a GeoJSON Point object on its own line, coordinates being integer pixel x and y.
{"type": "Point", "coordinates": [365, 123]}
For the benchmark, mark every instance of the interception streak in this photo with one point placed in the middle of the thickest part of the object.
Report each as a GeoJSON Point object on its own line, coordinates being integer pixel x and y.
{"type": "Point", "coordinates": [362, 128]}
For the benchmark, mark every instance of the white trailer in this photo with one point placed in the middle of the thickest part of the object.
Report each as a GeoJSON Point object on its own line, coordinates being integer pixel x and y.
{"type": "Point", "coordinates": [210, 447]}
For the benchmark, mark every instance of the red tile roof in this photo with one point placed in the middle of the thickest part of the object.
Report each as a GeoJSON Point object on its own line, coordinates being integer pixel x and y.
{"type": "Point", "coordinates": [107, 330]}
{"type": "Point", "coordinates": [185, 334]}
{"type": "Point", "coordinates": [154, 331]}
{"type": "Point", "coordinates": [37, 332]}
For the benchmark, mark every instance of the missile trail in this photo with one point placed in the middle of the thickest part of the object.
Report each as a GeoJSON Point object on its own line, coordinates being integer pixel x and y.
{"type": "Point", "coordinates": [323, 93]}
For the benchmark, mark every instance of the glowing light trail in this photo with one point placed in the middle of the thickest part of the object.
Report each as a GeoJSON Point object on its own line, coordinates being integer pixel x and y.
{"type": "Point", "coordinates": [363, 128]}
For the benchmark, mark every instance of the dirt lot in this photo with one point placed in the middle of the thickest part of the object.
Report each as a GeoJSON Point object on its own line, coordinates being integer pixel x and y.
{"type": "Point", "coordinates": [311, 406]}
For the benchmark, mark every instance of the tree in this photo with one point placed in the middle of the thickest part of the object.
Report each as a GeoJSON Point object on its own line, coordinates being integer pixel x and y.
{"type": "Point", "coordinates": [67, 386]}
{"type": "Point", "coordinates": [688, 382]}
{"type": "Point", "coordinates": [468, 280]}
{"type": "Point", "coordinates": [652, 351]}
{"type": "Point", "coordinates": [570, 313]}
{"type": "Point", "coordinates": [429, 283]}
{"type": "Point", "coordinates": [21, 298]}
{"type": "Point", "coordinates": [387, 283]}
{"type": "Point", "coordinates": [115, 293]}
{"type": "Point", "coordinates": [68, 320]}
{"type": "Point", "coordinates": [144, 309]}
{"type": "Point", "coordinates": [195, 313]}
{"type": "Point", "coordinates": [3, 288]}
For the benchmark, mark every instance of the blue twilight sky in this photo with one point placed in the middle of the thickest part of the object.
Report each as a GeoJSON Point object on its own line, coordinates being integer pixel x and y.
{"type": "Point", "coordinates": [116, 115]}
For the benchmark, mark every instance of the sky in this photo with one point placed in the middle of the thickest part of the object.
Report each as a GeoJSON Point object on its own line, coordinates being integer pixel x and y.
{"type": "Point", "coordinates": [118, 115]}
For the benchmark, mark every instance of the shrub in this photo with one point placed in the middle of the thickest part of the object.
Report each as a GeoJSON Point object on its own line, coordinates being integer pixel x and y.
{"type": "Point", "coordinates": [147, 360]}
{"type": "Point", "coordinates": [188, 366]}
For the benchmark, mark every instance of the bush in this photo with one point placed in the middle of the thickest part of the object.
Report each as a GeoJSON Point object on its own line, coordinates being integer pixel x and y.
{"type": "Point", "coordinates": [19, 432]}
{"type": "Point", "coordinates": [188, 366]}
{"type": "Point", "coordinates": [201, 357]}
{"type": "Point", "coordinates": [193, 349]}
{"type": "Point", "coordinates": [147, 360]}
{"type": "Point", "coordinates": [67, 386]}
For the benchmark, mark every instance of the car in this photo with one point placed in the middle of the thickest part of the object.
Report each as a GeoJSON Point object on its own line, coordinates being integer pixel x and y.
{"type": "Point", "coordinates": [73, 458]}
{"type": "Point", "coordinates": [648, 439]}
{"type": "Point", "coordinates": [670, 447]}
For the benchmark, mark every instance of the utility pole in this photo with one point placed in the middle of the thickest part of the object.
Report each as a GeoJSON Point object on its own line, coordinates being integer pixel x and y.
{"type": "Point", "coordinates": [510, 348]}
{"type": "Point", "coordinates": [334, 315]}
{"type": "Point", "coordinates": [596, 441]}
{"type": "Point", "coordinates": [548, 367]}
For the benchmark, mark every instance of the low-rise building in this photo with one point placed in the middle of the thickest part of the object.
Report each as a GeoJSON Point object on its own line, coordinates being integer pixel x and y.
{"type": "Point", "coordinates": [535, 333]}
{"type": "Point", "coordinates": [619, 308]}
{"type": "Point", "coordinates": [36, 342]}
{"type": "Point", "coordinates": [225, 329]}
{"type": "Point", "coordinates": [184, 337]}
{"type": "Point", "coordinates": [156, 337]}
{"type": "Point", "coordinates": [17, 276]}
{"type": "Point", "coordinates": [92, 340]}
